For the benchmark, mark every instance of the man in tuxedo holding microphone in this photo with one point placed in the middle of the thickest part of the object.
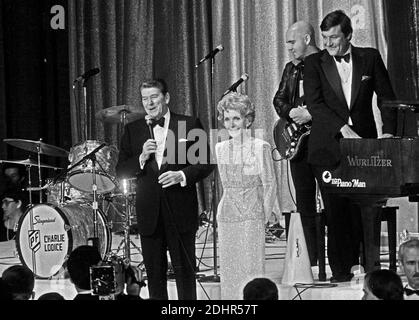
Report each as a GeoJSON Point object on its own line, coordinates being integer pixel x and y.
{"type": "Point", "coordinates": [156, 150]}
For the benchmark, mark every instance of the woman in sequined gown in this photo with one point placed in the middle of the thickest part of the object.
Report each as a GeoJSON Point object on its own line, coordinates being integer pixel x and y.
{"type": "Point", "coordinates": [249, 191]}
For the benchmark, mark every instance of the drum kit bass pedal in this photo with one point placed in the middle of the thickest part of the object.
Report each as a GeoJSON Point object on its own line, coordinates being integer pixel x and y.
{"type": "Point", "coordinates": [48, 232]}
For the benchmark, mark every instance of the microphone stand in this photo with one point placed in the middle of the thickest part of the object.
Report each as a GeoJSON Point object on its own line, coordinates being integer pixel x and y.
{"type": "Point", "coordinates": [86, 157]}
{"type": "Point", "coordinates": [214, 183]}
{"type": "Point", "coordinates": [86, 111]}
{"type": "Point", "coordinates": [86, 119]}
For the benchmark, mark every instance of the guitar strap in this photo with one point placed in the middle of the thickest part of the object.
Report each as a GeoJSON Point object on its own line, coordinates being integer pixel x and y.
{"type": "Point", "coordinates": [299, 91]}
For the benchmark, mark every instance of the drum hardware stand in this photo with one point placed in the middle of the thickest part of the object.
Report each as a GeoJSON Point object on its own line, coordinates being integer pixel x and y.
{"type": "Point", "coordinates": [91, 156]}
{"type": "Point", "coordinates": [29, 185]}
{"type": "Point", "coordinates": [126, 242]}
{"type": "Point", "coordinates": [31, 217]}
{"type": "Point", "coordinates": [95, 238]}
{"type": "Point", "coordinates": [39, 169]}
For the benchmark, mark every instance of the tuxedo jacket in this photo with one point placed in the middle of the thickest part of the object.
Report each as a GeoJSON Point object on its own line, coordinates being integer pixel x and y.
{"type": "Point", "coordinates": [149, 193]}
{"type": "Point", "coordinates": [327, 104]}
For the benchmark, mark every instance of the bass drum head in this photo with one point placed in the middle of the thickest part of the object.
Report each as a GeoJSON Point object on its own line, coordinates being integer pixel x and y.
{"type": "Point", "coordinates": [44, 244]}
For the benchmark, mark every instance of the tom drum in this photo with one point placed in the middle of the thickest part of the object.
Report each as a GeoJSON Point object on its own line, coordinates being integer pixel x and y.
{"type": "Point", "coordinates": [81, 177]}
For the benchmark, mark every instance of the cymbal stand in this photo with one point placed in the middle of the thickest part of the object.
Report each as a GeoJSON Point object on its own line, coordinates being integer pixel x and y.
{"type": "Point", "coordinates": [95, 238]}
{"type": "Point", "coordinates": [39, 170]}
{"type": "Point", "coordinates": [28, 169]}
{"type": "Point", "coordinates": [123, 115]}
{"type": "Point", "coordinates": [31, 225]}
{"type": "Point", "coordinates": [127, 250]}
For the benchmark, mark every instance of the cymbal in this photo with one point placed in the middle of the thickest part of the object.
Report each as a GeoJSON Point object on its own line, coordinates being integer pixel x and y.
{"type": "Point", "coordinates": [29, 163]}
{"type": "Point", "coordinates": [37, 146]}
{"type": "Point", "coordinates": [116, 114]}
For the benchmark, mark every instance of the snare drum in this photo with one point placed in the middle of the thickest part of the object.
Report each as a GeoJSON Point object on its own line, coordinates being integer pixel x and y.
{"type": "Point", "coordinates": [45, 244]}
{"type": "Point", "coordinates": [81, 177]}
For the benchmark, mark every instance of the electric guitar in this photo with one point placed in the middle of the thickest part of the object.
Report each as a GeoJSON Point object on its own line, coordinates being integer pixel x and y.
{"type": "Point", "coordinates": [288, 137]}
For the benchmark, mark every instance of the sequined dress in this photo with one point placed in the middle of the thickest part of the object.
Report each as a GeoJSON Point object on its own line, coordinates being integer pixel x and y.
{"type": "Point", "coordinates": [249, 191]}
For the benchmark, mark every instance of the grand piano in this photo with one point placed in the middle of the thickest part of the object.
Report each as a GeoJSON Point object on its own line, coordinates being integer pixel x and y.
{"type": "Point", "coordinates": [370, 172]}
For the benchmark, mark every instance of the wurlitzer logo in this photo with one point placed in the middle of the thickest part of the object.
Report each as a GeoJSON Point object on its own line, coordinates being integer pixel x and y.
{"type": "Point", "coordinates": [373, 161]}
{"type": "Point", "coordinates": [34, 240]}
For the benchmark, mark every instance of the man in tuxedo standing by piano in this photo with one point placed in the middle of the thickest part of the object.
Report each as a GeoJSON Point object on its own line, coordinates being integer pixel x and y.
{"type": "Point", "coordinates": [339, 84]}
{"type": "Point", "coordinates": [290, 105]}
{"type": "Point", "coordinates": [156, 150]}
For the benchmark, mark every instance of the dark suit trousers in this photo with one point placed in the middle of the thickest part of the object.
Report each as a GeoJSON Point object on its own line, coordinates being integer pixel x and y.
{"type": "Point", "coordinates": [344, 230]}
{"type": "Point", "coordinates": [305, 191]}
{"type": "Point", "coordinates": [182, 253]}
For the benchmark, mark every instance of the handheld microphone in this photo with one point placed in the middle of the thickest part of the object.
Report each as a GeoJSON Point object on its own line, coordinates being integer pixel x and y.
{"type": "Point", "coordinates": [149, 122]}
{"type": "Point", "coordinates": [235, 85]}
{"type": "Point", "coordinates": [85, 76]}
{"type": "Point", "coordinates": [210, 55]}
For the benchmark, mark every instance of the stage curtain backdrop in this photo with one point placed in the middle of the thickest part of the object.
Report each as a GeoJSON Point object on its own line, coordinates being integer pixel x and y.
{"type": "Point", "coordinates": [403, 29]}
{"type": "Point", "coordinates": [133, 40]}
{"type": "Point", "coordinates": [253, 34]}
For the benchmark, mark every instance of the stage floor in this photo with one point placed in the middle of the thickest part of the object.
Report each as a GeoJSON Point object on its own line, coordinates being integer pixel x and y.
{"type": "Point", "coordinates": [275, 256]}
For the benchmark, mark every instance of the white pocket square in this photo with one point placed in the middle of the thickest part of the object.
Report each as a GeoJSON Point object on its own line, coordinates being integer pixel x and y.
{"type": "Point", "coordinates": [365, 78]}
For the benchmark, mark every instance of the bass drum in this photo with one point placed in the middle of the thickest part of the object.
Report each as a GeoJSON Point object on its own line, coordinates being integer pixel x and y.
{"type": "Point", "coordinates": [47, 234]}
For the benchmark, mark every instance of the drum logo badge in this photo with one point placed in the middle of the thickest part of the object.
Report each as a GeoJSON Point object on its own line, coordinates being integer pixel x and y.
{"type": "Point", "coordinates": [34, 240]}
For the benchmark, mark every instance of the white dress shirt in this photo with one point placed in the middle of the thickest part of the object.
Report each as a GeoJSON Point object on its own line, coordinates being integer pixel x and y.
{"type": "Point", "coordinates": [160, 135]}
{"type": "Point", "coordinates": [345, 73]}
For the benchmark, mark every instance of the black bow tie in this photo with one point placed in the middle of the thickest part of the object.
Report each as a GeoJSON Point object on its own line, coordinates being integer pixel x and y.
{"type": "Point", "coordinates": [159, 122]}
{"type": "Point", "coordinates": [410, 292]}
{"type": "Point", "coordinates": [346, 57]}
{"type": "Point", "coordinates": [300, 65]}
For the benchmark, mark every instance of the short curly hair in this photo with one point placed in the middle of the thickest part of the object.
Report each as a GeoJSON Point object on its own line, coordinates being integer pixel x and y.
{"type": "Point", "coordinates": [79, 263]}
{"type": "Point", "coordinates": [260, 289]}
{"type": "Point", "coordinates": [385, 284]}
{"type": "Point", "coordinates": [21, 281]}
{"type": "Point", "coordinates": [238, 102]}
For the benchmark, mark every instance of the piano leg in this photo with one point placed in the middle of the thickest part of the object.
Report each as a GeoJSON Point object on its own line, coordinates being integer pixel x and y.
{"type": "Point", "coordinates": [321, 245]}
{"type": "Point", "coordinates": [371, 226]}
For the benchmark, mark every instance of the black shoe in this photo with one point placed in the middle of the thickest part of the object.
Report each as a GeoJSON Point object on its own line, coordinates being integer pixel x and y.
{"type": "Point", "coordinates": [341, 278]}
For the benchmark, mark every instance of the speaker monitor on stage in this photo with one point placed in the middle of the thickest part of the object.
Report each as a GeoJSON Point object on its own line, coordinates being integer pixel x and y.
{"type": "Point", "coordinates": [297, 267]}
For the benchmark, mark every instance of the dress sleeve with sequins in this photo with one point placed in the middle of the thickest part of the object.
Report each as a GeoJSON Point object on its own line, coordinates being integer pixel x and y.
{"type": "Point", "coordinates": [267, 175]}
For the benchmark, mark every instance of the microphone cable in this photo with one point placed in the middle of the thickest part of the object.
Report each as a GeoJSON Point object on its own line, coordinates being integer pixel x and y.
{"type": "Point", "coordinates": [288, 173]}
{"type": "Point", "coordinates": [199, 259]}
{"type": "Point", "coordinates": [306, 286]}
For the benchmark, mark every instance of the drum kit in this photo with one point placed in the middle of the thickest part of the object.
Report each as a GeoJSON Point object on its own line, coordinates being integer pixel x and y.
{"type": "Point", "coordinates": [48, 232]}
